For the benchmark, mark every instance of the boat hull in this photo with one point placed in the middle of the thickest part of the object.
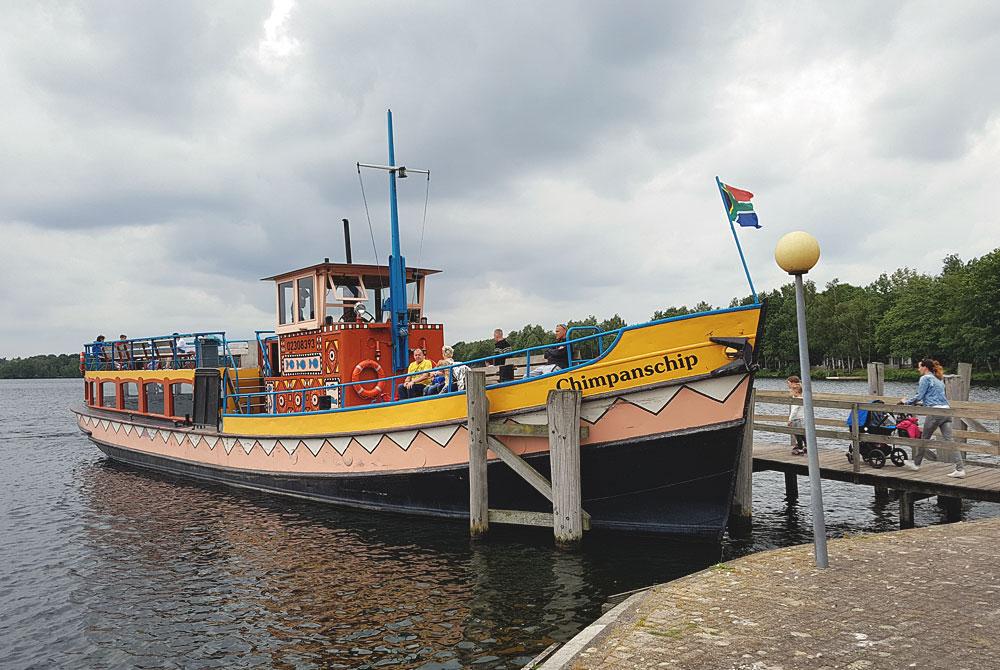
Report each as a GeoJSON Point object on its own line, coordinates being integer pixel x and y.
{"type": "Point", "coordinates": [676, 485]}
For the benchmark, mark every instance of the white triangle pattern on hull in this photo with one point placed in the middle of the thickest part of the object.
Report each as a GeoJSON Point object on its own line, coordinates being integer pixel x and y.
{"type": "Point", "coordinates": [105, 424]}
{"type": "Point", "coordinates": [128, 428]}
{"type": "Point", "coordinates": [339, 444]}
{"type": "Point", "coordinates": [531, 419]}
{"type": "Point", "coordinates": [268, 445]}
{"type": "Point", "coordinates": [247, 446]}
{"type": "Point", "coordinates": [313, 444]}
{"type": "Point", "coordinates": [165, 435]}
{"type": "Point", "coordinates": [370, 441]}
{"type": "Point", "coordinates": [229, 443]}
{"type": "Point", "coordinates": [592, 410]}
{"type": "Point", "coordinates": [717, 389]}
{"type": "Point", "coordinates": [655, 400]}
{"type": "Point", "coordinates": [441, 434]}
{"type": "Point", "coordinates": [289, 446]}
{"type": "Point", "coordinates": [404, 438]}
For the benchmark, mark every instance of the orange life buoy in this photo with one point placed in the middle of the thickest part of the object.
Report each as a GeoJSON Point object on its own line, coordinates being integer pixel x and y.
{"type": "Point", "coordinates": [83, 363]}
{"type": "Point", "coordinates": [359, 369]}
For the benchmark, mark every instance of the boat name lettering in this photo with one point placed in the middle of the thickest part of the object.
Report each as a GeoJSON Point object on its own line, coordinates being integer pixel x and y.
{"type": "Point", "coordinates": [306, 344]}
{"type": "Point", "coordinates": [668, 364]}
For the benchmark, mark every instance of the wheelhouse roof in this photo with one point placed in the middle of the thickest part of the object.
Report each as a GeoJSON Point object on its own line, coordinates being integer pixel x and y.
{"type": "Point", "coordinates": [353, 269]}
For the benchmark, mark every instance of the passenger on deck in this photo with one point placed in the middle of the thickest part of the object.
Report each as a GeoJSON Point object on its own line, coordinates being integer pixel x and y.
{"type": "Point", "coordinates": [440, 380]}
{"type": "Point", "coordinates": [99, 352]}
{"type": "Point", "coordinates": [500, 346]}
{"type": "Point", "coordinates": [415, 384]}
{"type": "Point", "coordinates": [556, 357]}
{"type": "Point", "coordinates": [122, 359]}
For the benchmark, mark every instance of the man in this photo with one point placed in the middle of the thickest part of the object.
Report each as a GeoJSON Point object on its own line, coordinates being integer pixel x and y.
{"type": "Point", "coordinates": [99, 352]}
{"type": "Point", "coordinates": [500, 346]}
{"type": "Point", "coordinates": [122, 353]}
{"type": "Point", "coordinates": [557, 356]}
{"type": "Point", "coordinates": [414, 385]}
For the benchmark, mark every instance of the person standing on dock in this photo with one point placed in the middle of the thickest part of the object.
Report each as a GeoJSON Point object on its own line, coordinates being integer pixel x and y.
{"type": "Point", "coordinates": [930, 393]}
{"type": "Point", "coordinates": [795, 414]}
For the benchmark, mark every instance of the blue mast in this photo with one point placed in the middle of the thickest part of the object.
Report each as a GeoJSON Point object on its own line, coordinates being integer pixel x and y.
{"type": "Point", "coordinates": [397, 275]}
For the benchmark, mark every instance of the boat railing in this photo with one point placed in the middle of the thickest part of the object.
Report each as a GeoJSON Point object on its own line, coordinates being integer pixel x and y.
{"type": "Point", "coordinates": [176, 351]}
{"type": "Point", "coordinates": [265, 360]}
{"type": "Point", "coordinates": [452, 374]}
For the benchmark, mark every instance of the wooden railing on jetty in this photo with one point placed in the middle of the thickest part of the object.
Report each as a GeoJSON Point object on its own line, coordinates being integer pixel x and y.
{"type": "Point", "coordinates": [981, 483]}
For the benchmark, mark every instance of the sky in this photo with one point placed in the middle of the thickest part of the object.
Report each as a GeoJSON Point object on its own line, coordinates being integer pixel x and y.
{"type": "Point", "coordinates": [157, 159]}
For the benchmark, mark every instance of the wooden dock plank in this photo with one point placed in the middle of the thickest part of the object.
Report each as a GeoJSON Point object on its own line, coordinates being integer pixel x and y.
{"type": "Point", "coordinates": [980, 483]}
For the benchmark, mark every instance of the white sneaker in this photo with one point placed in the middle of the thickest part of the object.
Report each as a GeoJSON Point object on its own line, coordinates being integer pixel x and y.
{"type": "Point", "coordinates": [910, 465]}
{"type": "Point", "coordinates": [958, 474]}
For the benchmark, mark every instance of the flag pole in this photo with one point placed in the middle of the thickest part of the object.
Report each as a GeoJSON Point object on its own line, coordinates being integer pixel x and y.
{"type": "Point", "coordinates": [736, 239]}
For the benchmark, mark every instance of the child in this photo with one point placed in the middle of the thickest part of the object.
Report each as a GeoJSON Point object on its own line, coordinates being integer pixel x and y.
{"type": "Point", "coordinates": [795, 414]}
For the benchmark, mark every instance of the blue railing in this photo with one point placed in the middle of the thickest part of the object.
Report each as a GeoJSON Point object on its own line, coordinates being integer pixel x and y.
{"type": "Point", "coordinates": [162, 352]}
{"type": "Point", "coordinates": [450, 378]}
{"type": "Point", "coordinates": [265, 359]}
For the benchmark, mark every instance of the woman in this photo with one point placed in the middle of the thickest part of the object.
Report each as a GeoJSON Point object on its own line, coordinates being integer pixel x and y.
{"type": "Point", "coordinates": [930, 393]}
{"type": "Point", "coordinates": [795, 414]}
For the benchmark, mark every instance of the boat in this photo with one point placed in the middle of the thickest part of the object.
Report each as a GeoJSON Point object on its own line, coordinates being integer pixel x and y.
{"type": "Point", "coordinates": [312, 408]}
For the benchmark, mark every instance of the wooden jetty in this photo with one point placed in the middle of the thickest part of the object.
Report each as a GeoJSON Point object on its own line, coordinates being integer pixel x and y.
{"type": "Point", "coordinates": [982, 480]}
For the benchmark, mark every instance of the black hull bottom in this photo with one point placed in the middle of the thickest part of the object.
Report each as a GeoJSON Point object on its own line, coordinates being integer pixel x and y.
{"type": "Point", "coordinates": [677, 485]}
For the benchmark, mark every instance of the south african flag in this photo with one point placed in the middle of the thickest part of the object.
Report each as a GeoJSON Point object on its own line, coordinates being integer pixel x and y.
{"type": "Point", "coordinates": [738, 205]}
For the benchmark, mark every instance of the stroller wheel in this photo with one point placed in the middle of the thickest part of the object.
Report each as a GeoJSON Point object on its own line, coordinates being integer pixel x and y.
{"type": "Point", "coordinates": [898, 457]}
{"type": "Point", "coordinates": [876, 458]}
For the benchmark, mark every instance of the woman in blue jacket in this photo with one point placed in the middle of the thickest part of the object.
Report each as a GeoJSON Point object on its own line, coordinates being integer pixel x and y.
{"type": "Point", "coordinates": [930, 393]}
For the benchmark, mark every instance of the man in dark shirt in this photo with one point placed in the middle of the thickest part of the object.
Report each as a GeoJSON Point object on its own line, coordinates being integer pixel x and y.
{"type": "Point", "coordinates": [557, 355]}
{"type": "Point", "coordinates": [501, 346]}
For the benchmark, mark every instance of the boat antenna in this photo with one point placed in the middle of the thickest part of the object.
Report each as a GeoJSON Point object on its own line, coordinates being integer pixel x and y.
{"type": "Point", "coordinates": [397, 264]}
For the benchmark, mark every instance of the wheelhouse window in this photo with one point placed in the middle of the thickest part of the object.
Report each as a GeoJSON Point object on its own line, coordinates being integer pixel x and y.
{"type": "Point", "coordinates": [154, 397]}
{"type": "Point", "coordinates": [130, 396]}
{"type": "Point", "coordinates": [307, 307]}
{"type": "Point", "coordinates": [109, 395]}
{"type": "Point", "coordinates": [286, 304]}
{"type": "Point", "coordinates": [183, 398]}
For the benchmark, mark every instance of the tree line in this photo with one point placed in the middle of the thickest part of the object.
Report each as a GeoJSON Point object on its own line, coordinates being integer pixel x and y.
{"type": "Point", "coordinates": [45, 366]}
{"type": "Point", "coordinates": [900, 317]}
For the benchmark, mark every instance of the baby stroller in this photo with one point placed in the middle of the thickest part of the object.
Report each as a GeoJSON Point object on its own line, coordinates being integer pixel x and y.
{"type": "Point", "coordinates": [873, 452]}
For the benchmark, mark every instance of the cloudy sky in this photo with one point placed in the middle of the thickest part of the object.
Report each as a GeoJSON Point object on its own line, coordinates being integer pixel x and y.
{"type": "Point", "coordinates": [158, 158]}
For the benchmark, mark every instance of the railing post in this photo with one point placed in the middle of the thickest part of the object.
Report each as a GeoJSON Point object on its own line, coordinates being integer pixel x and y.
{"type": "Point", "coordinates": [478, 425]}
{"type": "Point", "coordinates": [563, 410]}
{"type": "Point", "coordinates": [956, 387]}
{"type": "Point", "coordinates": [855, 439]}
{"type": "Point", "coordinates": [876, 379]}
{"type": "Point", "coordinates": [741, 514]}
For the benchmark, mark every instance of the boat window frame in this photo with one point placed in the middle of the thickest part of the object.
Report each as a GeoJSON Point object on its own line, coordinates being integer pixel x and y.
{"type": "Point", "coordinates": [172, 384]}
{"type": "Point", "coordinates": [118, 395]}
{"type": "Point", "coordinates": [296, 324]}
{"type": "Point", "coordinates": [138, 401]}
{"type": "Point", "coordinates": [281, 303]}
{"type": "Point", "coordinates": [145, 397]}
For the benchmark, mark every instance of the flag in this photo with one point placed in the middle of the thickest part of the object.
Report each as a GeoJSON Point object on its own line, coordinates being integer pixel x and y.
{"type": "Point", "coordinates": [738, 205]}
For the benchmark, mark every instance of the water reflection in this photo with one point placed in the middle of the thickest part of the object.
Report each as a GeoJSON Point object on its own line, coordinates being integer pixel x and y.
{"type": "Point", "coordinates": [214, 572]}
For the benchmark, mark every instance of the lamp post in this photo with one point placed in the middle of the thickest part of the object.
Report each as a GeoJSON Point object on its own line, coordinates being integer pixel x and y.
{"type": "Point", "coordinates": [797, 254]}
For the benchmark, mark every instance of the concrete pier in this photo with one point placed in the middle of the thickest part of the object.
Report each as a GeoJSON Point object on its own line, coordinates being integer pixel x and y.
{"type": "Point", "coordinates": [923, 598]}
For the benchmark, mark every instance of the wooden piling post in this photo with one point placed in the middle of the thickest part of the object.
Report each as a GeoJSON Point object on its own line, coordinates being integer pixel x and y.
{"type": "Point", "coordinates": [876, 379]}
{"type": "Point", "coordinates": [952, 507]}
{"type": "Point", "coordinates": [791, 486]}
{"type": "Point", "coordinates": [905, 510]}
{"type": "Point", "coordinates": [855, 439]}
{"type": "Point", "coordinates": [881, 492]}
{"type": "Point", "coordinates": [563, 409]}
{"type": "Point", "coordinates": [741, 513]}
{"type": "Point", "coordinates": [478, 425]}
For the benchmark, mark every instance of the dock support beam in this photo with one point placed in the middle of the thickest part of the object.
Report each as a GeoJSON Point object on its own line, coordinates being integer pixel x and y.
{"type": "Point", "coordinates": [881, 492]}
{"type": "Point", "coordinates": [563, 409]}
{"type": "Point", "coordinates": [479, 416]}
{"type": "Point", "coordinates": [741, 512]}
{"type": "Point", "coordinates": [905, 509]}
{"type": "Point", "coordinates": [952, 507]}
{"type": "Point", "coordinates": [791, 486]}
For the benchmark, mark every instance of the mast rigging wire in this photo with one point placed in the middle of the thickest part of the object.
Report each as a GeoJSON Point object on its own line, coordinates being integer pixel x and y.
{"type": "Point", "coordinates": [368, 216]}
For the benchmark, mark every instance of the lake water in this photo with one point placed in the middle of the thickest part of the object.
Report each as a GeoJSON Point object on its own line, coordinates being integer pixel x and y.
{"type": "Point", "coordinates": [109, 567]}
